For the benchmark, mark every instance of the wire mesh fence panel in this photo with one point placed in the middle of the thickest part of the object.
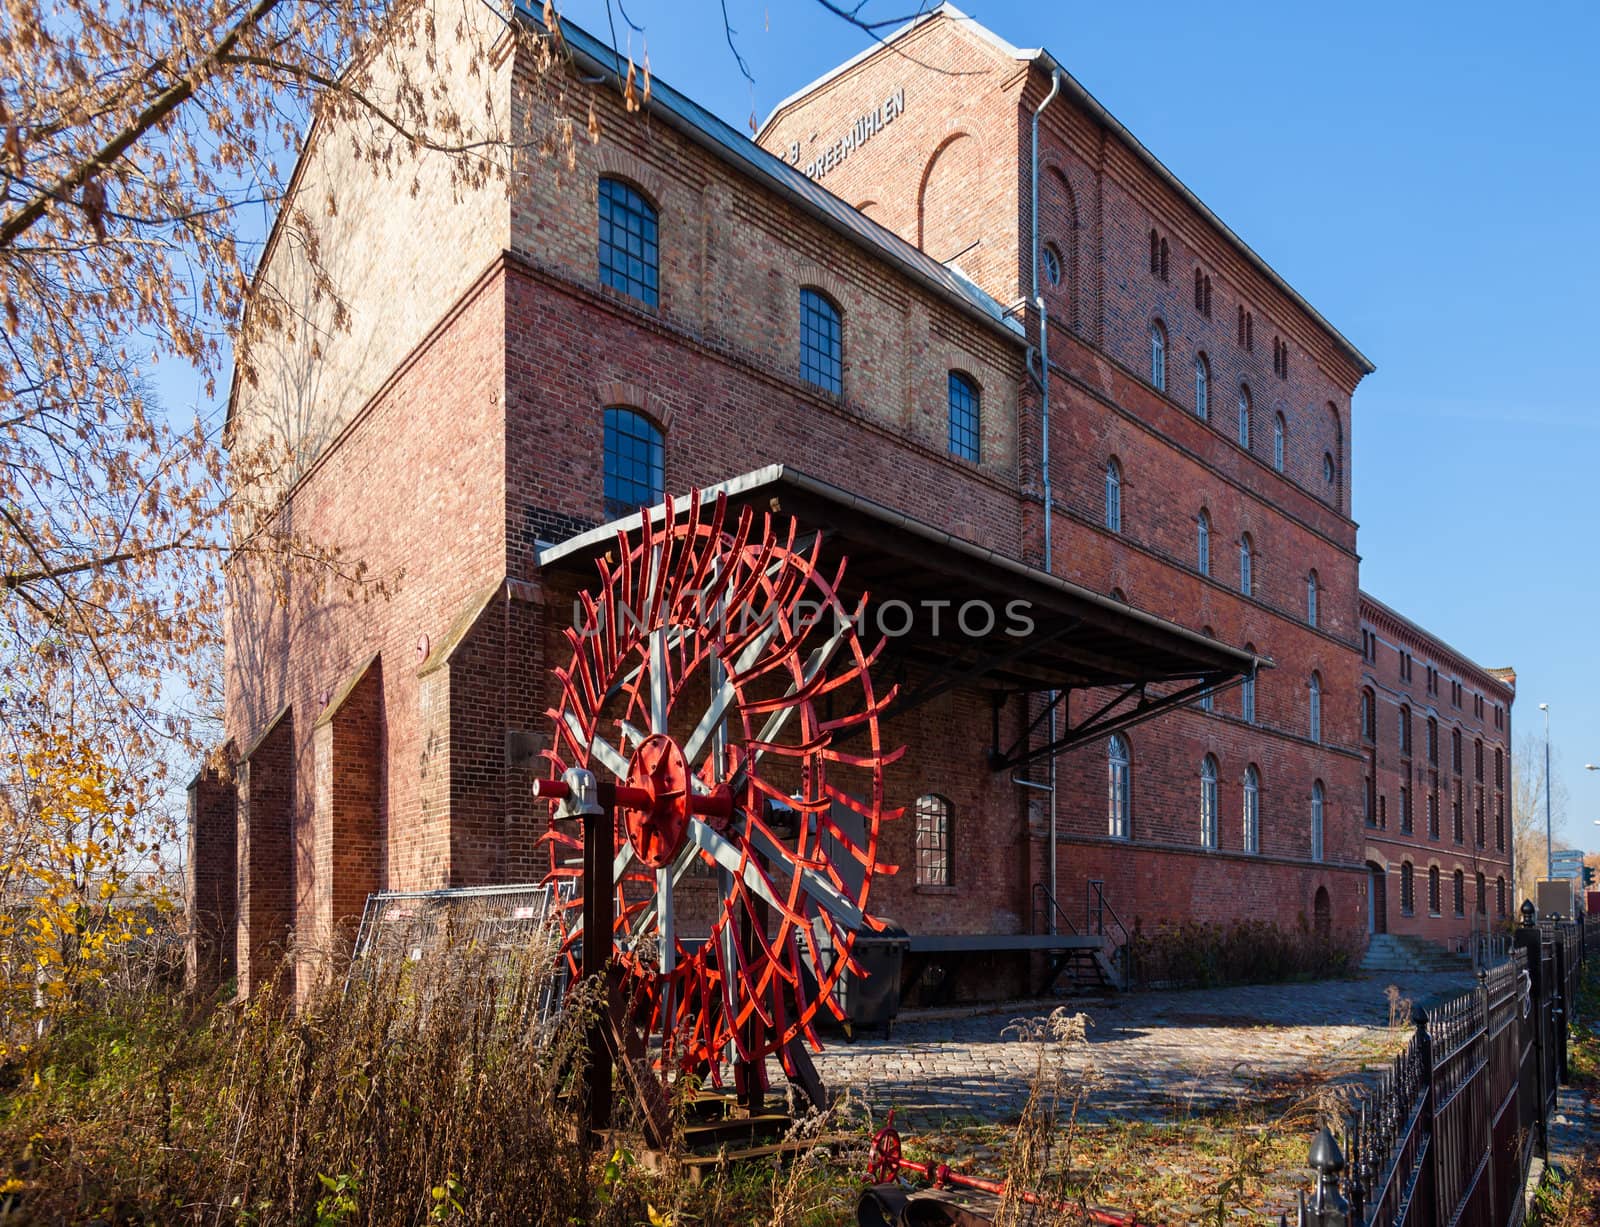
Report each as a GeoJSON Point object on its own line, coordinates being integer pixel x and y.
{"type": "Point", "coordinates": [508, 931]}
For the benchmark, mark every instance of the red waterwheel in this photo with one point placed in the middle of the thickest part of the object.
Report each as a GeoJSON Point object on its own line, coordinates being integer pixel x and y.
{"type": "Point", "coordinates": [720, 682]}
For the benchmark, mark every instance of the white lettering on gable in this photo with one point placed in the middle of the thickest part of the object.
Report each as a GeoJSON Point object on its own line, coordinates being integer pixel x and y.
{"type": "Point", "coordinates": [861, 130]}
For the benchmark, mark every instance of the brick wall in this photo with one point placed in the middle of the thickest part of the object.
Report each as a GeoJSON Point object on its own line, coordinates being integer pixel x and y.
{"type": "Point", "coordinates": [265, 856]}
{"type": "Point", "coordinates": [212, 887]}
{"type": "Point", "coordinates": [1428, 771]}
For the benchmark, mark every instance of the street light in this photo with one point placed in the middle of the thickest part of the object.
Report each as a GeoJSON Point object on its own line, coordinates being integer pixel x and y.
{"type": "Point", "coordinates": [1549, 853]}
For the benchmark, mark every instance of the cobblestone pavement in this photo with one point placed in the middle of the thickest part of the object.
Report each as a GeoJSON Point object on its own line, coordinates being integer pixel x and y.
{"type": "Point", "coordinates": [1152, 1055]}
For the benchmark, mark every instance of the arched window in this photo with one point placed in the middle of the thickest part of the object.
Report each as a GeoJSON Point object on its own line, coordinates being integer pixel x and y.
{"type": "Point", "coordinates": [1252, 809]}
{"type": "Point", "coordinates": [935, 840]}
{"type": "Point", "coordinates": [1202, 388]}
{"type": "Point", "coordinates": [1158, 356]}
{"type": "Point", "coordinates": [1316, 707]}
{"type": "Point", "coordinates": [1202, 543]}
{"type": "Point", "coordinates": [1318, 803]}
{"type": "Point", "coordinates": [1208, 698]}
{"type": "Point", "coordinates": [1433, 890]}
{"type": "Point", "coordinates": [1208, 802]}
{"type": "Point", "coordinates": [1408, 889]}
{"type": "Point", "coordinates": [631, 455]}
{"type": "Point", "coordinates": [1247, 692]}
{"type": "Point", "coordinates": [1481, 883]}
{"type": "Point", "coordinates": [1458, 892]}
{"type": "Point", "coordinates": [1455, 750]}
{"type": "Point", "coordinates": [1246, 564]}
{"type": "Point", "coordinates": [1328, 471]}
{"type": "Point", "coordinates": [1369, 716]}
{"type": "Point", "coordinates": [965, 416]}
{"type": "Point", "coordinates": [629, 257]}
{"type": "Point", "coordinates": [1403, 730]}
{"type": "Point", "coordinates": [1244, 417]}
{"type": "Point", "coordinates": [1278, 429]}
{"type": "Point", "coordinates": [1499, 896]}
{"type": "Point", "coordinates": [1477, 759]}
{"type": "Point", "coordinates": [1433, 741]}
{"type": "Point", "coordinates": [1113, 496]}
{"type": "Point", "coordinates": [1155, 253]}
{"type": "Point", "coordinates": [1199, 290]}
{"type": "Point", "coordinates": [1311, 599]}
{"type": "Point", "coordinates": [1119, 802]}
{"type": "Point", "coordinates": [821, 342]}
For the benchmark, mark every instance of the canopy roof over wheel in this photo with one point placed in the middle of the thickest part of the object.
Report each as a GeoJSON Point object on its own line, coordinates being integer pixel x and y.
{"type": "Point", "coordinates": [964, 616]}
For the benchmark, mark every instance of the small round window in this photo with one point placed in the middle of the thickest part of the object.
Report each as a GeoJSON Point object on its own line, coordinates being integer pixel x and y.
{"type": "Point", "coordinates": [1052, 264]}
{"type": "Point", "coordinates": [1327, 467]}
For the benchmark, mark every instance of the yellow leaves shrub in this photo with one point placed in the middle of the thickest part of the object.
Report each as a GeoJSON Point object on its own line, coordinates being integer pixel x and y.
{"type": "Point", "coordinates": [71, 891]}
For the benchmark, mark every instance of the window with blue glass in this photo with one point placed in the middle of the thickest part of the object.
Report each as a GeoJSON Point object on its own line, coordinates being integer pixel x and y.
{"type": "Point", "coordinates": [633, 462]}
{"type": "Point", "coordinates": [629, 258]}
{"type": "Point", "coordinates": [965, 407]}
{"type": "Point", "coordinates": [821, 343]}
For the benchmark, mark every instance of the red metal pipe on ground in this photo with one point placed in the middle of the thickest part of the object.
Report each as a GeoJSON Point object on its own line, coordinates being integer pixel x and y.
{"type": "Point", "coordinates": [888, 1162]}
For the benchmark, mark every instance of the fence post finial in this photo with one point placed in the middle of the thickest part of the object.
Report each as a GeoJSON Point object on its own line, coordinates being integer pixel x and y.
{"type": "Point", "coordinates": [1328, 1207]}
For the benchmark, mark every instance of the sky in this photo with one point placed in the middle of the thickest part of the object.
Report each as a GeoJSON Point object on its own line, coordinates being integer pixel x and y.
{"type": "Point", "coordinates": [1426, 175]}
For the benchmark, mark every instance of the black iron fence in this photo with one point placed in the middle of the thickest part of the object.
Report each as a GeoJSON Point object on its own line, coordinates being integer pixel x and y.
{"type": "Point", "coordinates": [1451, 1130]}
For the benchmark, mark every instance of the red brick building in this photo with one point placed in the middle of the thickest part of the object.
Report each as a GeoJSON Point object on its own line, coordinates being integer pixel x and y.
{"type": "Point", "coordinates": [1135, 421]}
{"type": "Point", "coordinates": [1436, 734]}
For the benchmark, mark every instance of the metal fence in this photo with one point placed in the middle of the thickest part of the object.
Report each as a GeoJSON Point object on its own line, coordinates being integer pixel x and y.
{"type": "Point", "coordinates": [415, 926]}
{"type": "Point", "coordinates": [1450, 1132]}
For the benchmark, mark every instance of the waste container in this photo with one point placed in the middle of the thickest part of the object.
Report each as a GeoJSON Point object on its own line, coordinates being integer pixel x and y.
{"type": "Point", "coordinates": [871, 999]}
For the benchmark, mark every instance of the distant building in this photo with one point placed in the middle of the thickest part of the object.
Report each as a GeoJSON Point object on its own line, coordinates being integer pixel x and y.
{"type": "Point", "coordinates": [1436, 735]}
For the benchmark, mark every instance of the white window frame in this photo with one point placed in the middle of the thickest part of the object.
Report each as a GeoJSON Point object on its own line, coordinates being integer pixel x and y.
{"type": "Point", "coordinates": [1158, 357]}
{"type": "Point", "coordinates": [1247, 583]}
{"type": "Point", "coordinates": [1316, 708]}
{"type": "Point", "coordinates": [1252, 809]}
{"type": "Point", "coordinates": [1202, 389]}
{"type": "Point", "coordinates": [1113, 496]}
{"type": "Point", "coordinates": [1119, 767]}
{"type": "Point", "coordinates": [1202, 543]}
{"type": "Point", "coordinates": [1318, 805]}
{"type": "Point", "coordinates": [1208, 802]}
{"type": "Point", "coordinates": [1311, 599]}
{"type": "Point", "coordinates": [1277, 441]}
{"type": "Point", "coordinates": [1244, 418]}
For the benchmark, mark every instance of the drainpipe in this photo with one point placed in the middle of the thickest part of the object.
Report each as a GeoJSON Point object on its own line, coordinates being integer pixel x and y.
{"type": "Point", "coordinates": [1044, 447]}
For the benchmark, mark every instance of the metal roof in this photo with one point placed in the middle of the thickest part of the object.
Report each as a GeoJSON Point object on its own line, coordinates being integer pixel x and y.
{"type": "Point", "coordinates": [1078, 638]}
{"type": "Point", "coordinates": [1081, 95]}
{"type": "Point", "coordinates": [731, 146]}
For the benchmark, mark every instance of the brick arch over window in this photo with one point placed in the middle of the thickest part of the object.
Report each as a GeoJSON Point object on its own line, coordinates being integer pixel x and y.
{"type": "Point", "coordinates": [612, 162]}
{"type": "Point", "coordinates": [949, 215]}
{"type": "Point", "coordinates": [1058, 226]}
{"type": "Point", "coordinates": [634, 396]}
{"type": "Point", "coordinates": [1336, 450]}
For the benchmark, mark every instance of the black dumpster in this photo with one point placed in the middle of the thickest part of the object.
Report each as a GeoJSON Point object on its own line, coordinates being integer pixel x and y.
{"type": "Point", "coordinates": [873, 998]}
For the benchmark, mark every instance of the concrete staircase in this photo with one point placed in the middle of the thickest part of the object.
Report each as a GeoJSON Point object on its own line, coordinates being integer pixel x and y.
{"type": "Point", "coordinates": [1388, 953]}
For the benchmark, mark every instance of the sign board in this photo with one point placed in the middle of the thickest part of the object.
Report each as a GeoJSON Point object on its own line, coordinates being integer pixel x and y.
{"type": "Point", "coordinates": [1567, 869]}
{"type": "Point", "coordinates": [1568, 854]}
{"type": "Point", "coordinates": [1555, 897]}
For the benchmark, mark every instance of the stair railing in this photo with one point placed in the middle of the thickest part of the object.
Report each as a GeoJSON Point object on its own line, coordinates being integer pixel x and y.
{"type": "Point", "coordinates": [1043, 903]}
{"type": "Point", "coordinates": [1098, 911]}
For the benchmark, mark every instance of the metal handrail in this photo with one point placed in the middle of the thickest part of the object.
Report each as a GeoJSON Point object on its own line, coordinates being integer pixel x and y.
{"type": "Point", "coordinates": [1039, 889]}
{"type": "Point", "coordinates": [1096, 905]}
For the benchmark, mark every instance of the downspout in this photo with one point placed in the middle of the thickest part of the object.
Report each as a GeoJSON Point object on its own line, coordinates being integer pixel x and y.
{"type": "Point", "coordinates": [1044, 446]}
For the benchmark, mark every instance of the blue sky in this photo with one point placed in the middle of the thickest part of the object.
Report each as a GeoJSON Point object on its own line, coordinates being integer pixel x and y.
{"type": "Point", "coordinates": [1426, 175]}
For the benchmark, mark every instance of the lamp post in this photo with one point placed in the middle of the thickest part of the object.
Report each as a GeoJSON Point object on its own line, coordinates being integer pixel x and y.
{"type": "Point", "coordinates": [1549, 853]}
